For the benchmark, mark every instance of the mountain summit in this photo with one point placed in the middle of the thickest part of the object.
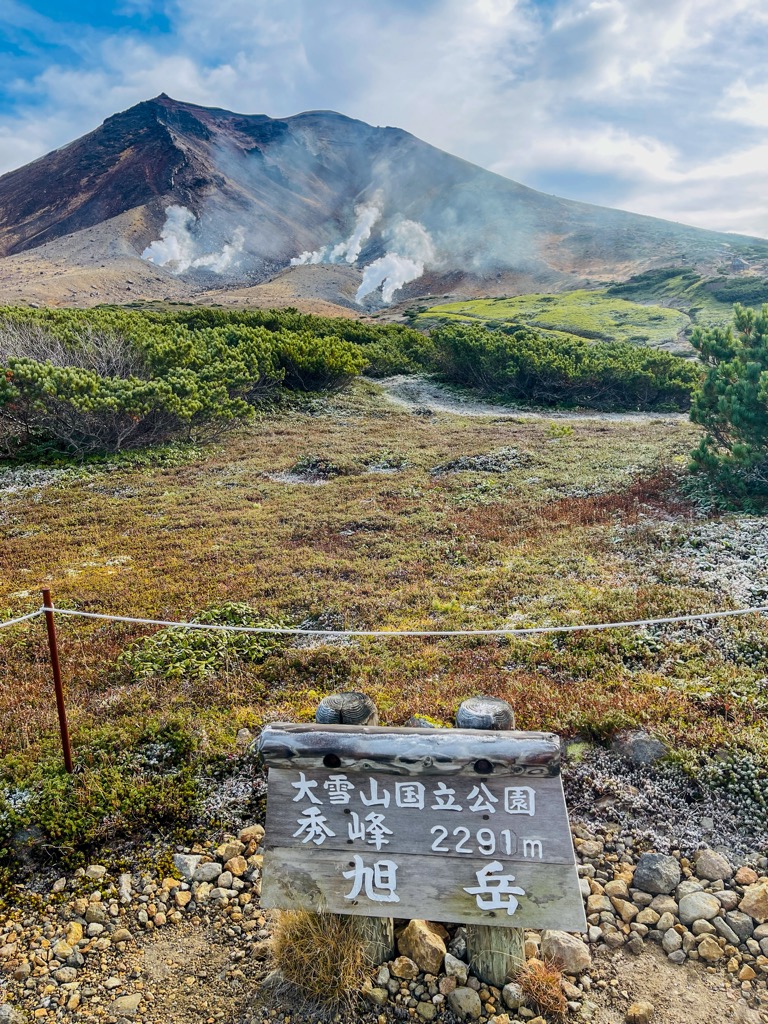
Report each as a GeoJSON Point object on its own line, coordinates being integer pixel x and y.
{"type": "Point", "coordinates": [186, 198]}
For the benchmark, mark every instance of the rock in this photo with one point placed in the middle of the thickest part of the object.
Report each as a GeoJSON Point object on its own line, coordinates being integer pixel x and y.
{"type": "Point", "coordinates": [465, 1003]}
{"type": "Point", "coordinates": [723, 928]}
{"type": "Point", "coordinates": [225, 880]}
{"type": "Point", "coordinates": [638, 746]}
{"type": "Point", "coordinates": [121, 935]}
{"type": "Point", "coordinates": [377, 996]}
{"type": "Point", "coordinates": [65, 975]}
{"type": "Point", "coordinates": [422, 944]}
{"type": "Point", "coordinates": [703, 927]}
{"type": "Point", "coordinates": [755, 901]}
{"type": "Point", "coordinates": [709, 949]}
{"type": "Point", "coordinates": [9, 1016]}
{"type": "Point", "coordinates": [244, 738]}
{"type": "Point", "coordinates": [456, 968]}
{"type": "Point", "coordinates": [95, 872]}
{"type": "Point", "coordinates": [127, 1005]}
{"type": "Point", "coordinates": [687, 887]}
{"type": "Point", "coordinates": [640, 1013]}
{"type": "Point", "coordinates": [253, 833]}
{"type": "Point", "coordinates": [664, 905]}
{"type": "Point", "coordinates": [746, 876]}
{"type": "Point", "coordinates": [729, 899]}
{"type": "Point", "coordinates": [61, 884]}
{"type": "Point", "coordinates": [186, 864]}
{"type": "Point", "coordinates": [671, 941]}
{"type": "Point", "coordinates": [656, 873]}
{"type": "Point", "coordinates": [513, 995]}
{"type": "Point", "coordinates": [589, 849]}
{"type": "Point", "coordinates": [229, 850]}
{"type": "Point", "coordinates": [741, 924]}
{"type": "Point", "coordinates": [207, 872]}
{"type": "Point", "coordinates": [427, 1011]}
{"type": "Point", "coordinates": [405, 968]}
{"type": "Point", "coordinates": [648, 917]}
{"type": "Point", "coordinates": [698, 906]}
{"type": "Point", "coordinates": [95, 914]}
{"type": "Point", "coordinates": [711, 865]}
{"type": "Point", "coordinates": [124, 888]}
{"type": "Point", "coordinates": [569, 952]}
{"type": "Point", "coordinates": [236, 866]}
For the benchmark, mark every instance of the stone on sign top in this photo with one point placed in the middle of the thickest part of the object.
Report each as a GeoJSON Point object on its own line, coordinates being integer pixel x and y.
{"type": "Point", "coordinates": [450, 825]}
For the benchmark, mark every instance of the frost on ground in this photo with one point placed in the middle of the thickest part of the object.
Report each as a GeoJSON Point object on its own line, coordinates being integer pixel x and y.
{"type": "Point", "coordinates": [728, 556]}
{"type": "Point", "coordinates": [655, 807]}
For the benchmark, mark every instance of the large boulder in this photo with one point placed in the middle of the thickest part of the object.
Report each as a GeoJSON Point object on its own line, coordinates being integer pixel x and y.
{"type": "Point", "coordinates": [422, 943]}
{"type": "Point", "coordinates": [656, 873]}
{"type": "Point", "coordinates": [569, 952]}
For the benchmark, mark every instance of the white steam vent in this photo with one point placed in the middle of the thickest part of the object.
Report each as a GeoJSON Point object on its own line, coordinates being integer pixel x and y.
{"type": "Point", "coordinates": [179, 249]}
{"type": "Point", "coordinates": [409, 251]}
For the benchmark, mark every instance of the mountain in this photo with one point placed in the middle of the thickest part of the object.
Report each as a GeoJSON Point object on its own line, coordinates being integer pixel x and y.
{"type": "Point", "coordinates": [173, 200]}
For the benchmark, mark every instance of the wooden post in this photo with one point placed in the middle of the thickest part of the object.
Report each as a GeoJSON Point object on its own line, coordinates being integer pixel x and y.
{"type": "Point", "coordinates": [352, 708]}
{"type": "Point", "coordinates": [495, 954]}
{"type": "Point", "coordinates": [53, 648]}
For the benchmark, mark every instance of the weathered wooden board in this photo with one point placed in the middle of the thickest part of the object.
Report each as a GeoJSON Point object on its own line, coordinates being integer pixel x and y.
{"type": "Point", "coordinates": [410, 751]}
{"type": "Point", "coordinates": [424, 887]}
{"type": "Point", "coordinates": [358, 812]}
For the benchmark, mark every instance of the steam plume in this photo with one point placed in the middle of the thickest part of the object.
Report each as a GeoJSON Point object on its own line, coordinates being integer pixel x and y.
{"type": "Point", "coordinates": [178, 247]}
{"type": "Point", "coordinates": [411, 250]}
{"type": "Point", "coordinates": [348, 250]}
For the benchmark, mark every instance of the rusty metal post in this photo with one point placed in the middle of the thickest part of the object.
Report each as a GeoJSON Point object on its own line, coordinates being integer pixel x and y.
{"type": "Point", "coordinates": [54, 651]}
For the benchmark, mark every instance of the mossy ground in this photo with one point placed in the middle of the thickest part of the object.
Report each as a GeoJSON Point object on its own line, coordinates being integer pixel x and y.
{"type": "Point", "coordinates": [565, 535]}
{"type": "Point", "coordinates": [585, 314]}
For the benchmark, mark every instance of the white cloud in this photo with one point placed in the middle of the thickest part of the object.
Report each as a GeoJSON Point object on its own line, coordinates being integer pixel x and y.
{"type": "Point", "coordinates": [651, 97]}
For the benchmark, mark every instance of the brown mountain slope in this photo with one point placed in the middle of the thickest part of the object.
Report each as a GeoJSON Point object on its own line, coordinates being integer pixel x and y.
{"type": "Point", "coordinates": [217, 200]}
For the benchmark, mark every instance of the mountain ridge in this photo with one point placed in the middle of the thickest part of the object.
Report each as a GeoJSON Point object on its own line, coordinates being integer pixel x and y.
{"type": "Point", "coordinates": [218, 200]}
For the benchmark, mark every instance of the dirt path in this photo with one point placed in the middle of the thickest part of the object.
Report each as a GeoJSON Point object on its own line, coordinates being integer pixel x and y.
{"type": "Point", "coordinates": [414, 392]}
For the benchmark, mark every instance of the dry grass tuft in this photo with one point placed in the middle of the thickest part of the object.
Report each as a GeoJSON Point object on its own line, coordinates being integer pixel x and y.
{"type": "Point", "coordinates": [322, 955]}
{"type": "Point", "coordinates": [542, 983]}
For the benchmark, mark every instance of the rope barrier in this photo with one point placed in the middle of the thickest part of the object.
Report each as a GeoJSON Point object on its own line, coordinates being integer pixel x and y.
{"type": "Point", "coordinates": [22, 618]}
{"type": "Point", "coordinates": [299, 631]}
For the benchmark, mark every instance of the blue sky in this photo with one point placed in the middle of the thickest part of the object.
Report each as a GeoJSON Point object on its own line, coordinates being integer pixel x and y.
{"type": "Point", "coordinates": [656, 106]}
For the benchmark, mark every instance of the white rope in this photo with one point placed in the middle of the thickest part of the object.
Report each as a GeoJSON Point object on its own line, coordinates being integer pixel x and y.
{"type": "Point", "coordinates": [298, 631]}
{"type": "Point", "coordinates": [23, 618]}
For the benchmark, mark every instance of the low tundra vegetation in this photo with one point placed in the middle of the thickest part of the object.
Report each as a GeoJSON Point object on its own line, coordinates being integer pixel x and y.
{"type": "Point", "coordinates": [534, 526]}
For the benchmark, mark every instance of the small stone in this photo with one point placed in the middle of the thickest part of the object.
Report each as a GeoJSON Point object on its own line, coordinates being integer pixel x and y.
{"type": "Point", "coordinates": [229, 850]}
{"type": "Point", "coordinates": [741, 923]}
{"type": "Point", "coordinates": [746, 876]}
{"type": "Point", "coordinates": [465, 1003]}
{"type": "Point", "coordinates": [671, 941]}
{"type": "Point", "coordinates": [208, 872]}
{"type": "Point", "coordinates": [755, 901]}
{"type": "Point", "coordinates": [677, 956]}
{"type": "Point", "coordinates": [237, 866]}
{"type": "Point", "coordinates": [421, 942]}
{"type": "Point", "coordinates": [94, 930]}
{"type": "Point", "coordinates": [253, 833]}
{"type": "Point", "coordinates": [65, 975]}
{"type": "Point", "coordinates": [95, 872]}
{"type": "Point", "coordinates": [590, 849]}
{"type": "Point", "coordinates": [708, 949]}
{"type": "Point", "coordinates": [597, 903]}
{"type": "Point", "coordinates": [569, 952]}
{"type": "Point", "coordinates": [648, 916]}
{"type": "Point", "coordinates": [405, 968]}
{"type": "Point", "coordinates": [186, 864]}
{"type": "Point", "coordinates": [225, 880]}
{"type": "Point", "coordinates": [711, 865]}
{"type": "Point", "coordinates": [95, 914]}
{"type": "Point", "coordinates": [746, 973]}
{"type": "Point", "coordinates": [703, 928]}
{"type": "Point", "coordinates": [456, 968]}
{"type": "Point", "coordinates": [656, 873]}
{"type": "Point", "coordinates": [723, 928]}
{"type": "Point", "coordinates": [377, 996]}
{"type": "Point", "coordinates": [698, 906]}
{"type": "Point", "coordinates": [638, 746]}
{"type": "Point", "coordinates": [121, 935]}
{"type": "Point", "coordinates": [640, 1013]}
{"type": "Point", "coordinates": [427, 1011]}
{"type": "Point", "coordinates": [513, 995]}
{"type": "Point", "coordinates": [127, 1005]}
{"type": "Point", "coordinates": [59, 885]}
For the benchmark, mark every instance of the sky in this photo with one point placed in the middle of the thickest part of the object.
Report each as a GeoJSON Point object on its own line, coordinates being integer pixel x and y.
{"type": "Point", "coordinates": [654, 106]}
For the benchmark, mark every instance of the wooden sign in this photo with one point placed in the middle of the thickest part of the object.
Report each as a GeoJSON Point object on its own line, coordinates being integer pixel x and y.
{"type": "Point", "coordinates": [447, 825]}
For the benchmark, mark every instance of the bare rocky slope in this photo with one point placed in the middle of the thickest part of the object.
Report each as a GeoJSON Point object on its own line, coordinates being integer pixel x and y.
{"type": "Point", "coordinates": [249, 194]}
